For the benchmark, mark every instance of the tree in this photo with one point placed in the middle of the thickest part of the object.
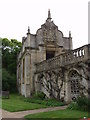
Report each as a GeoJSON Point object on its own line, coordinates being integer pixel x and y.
{"type": "Point", "coordinates": [9, 54]}
{"type": "Point", "coordinates": [10, 48]}
{"type": "Point", "coordinates": [8, 81]}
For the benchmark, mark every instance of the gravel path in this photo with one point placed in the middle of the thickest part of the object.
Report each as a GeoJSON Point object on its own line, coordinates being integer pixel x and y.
{"type": "Point", "coordinates": [21, 114]}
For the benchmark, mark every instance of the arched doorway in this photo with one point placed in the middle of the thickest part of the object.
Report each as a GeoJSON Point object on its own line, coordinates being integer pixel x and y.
{"type": "Point", "coordinates": [74, 78]}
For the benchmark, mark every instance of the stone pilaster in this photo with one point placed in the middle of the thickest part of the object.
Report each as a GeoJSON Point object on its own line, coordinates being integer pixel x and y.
{"type": "Point", "coordinates": [67, 90]}
{"type": "Point", "coordinates": [28, 73]}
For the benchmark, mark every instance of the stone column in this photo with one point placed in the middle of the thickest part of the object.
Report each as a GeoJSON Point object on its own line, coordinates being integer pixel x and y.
{"type": "Point", "coordinates": [67, 89]}
{"type": "Point", "coordinates": [36, 82]}
{"type": "Point", "coordinates": [27, 73]}
{"type": "Point", "coordinates": [22, 77]}
{"type": "Point", "coordinates": [19, 77]}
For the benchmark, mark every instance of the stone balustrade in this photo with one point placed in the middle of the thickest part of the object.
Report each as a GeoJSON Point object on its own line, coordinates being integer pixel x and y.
{"type": "Point", "coordinates": [74, 56]}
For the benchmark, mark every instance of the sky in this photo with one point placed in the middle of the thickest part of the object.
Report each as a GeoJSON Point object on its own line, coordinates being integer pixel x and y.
{"type": "Point", "coordinates": [68, 15]}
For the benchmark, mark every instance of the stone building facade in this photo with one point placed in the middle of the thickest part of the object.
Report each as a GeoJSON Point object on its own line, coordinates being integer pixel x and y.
{"type": "Point", "coordinates": [48, 63]}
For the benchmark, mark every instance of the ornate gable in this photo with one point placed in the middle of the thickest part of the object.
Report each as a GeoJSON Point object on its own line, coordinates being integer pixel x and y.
{"type": "Point", "coordinates": [49, 30]}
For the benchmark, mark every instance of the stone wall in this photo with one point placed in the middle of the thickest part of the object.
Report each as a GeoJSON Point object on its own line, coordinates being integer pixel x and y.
{"type": "Point", "coordinates": [62, 78]}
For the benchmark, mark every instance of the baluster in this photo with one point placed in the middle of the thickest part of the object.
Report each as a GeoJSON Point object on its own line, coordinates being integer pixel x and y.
{"type": "Point", "coordinates": [81, 52]}
{"type": "Point", "coordinates": [78, 53]}
{"type": "Point", "coordinates": [75, 54]}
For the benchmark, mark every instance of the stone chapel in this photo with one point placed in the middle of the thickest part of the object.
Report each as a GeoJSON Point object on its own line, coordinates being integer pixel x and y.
{"type": "Point", "coordinates": [48, 63]}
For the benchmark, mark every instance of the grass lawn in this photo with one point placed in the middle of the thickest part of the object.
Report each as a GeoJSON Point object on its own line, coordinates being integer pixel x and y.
{"type": "Point", "coordinates": [69, 114]}
{"type": "Point", "coordinates": [17, 103]}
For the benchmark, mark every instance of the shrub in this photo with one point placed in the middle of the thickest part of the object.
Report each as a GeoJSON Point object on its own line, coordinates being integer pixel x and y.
{"type": "Point", "coordinates": [83, 103]}
{"type": "Point", "coordinates": [40, 99]}
{"type": "Point", "coordinates": [73, 106]}
{"type": "Point", "coordinates": [54, 102]}
{"type": "Point", "coordinates": [39, 95]}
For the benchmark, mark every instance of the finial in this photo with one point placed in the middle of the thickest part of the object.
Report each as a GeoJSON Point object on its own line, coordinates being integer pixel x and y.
{"type": "Point", "coordinates": [69, 33]}
{"type": "Point", "coordinates": [49, 14]}
{"type": "Point", "coordinates": [28, 29]}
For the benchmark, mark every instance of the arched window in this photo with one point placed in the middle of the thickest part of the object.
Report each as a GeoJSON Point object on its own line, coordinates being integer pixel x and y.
{"type": "Point", "coordinates": [74, 80]}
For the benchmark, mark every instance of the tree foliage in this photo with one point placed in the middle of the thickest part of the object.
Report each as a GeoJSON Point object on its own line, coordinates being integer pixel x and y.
{"type": "Point", "coordinates": [8, 81]}
{"type": "Point", "coordinates": [10, 48]}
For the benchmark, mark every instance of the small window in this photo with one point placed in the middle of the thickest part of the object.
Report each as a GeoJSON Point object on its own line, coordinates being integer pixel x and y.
{"type": "Point", "coordinates": [50, 54]}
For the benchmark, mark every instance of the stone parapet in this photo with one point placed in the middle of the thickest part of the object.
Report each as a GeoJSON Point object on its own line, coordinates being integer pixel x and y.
{"type": "Point", "coordinates": [71, 57]}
